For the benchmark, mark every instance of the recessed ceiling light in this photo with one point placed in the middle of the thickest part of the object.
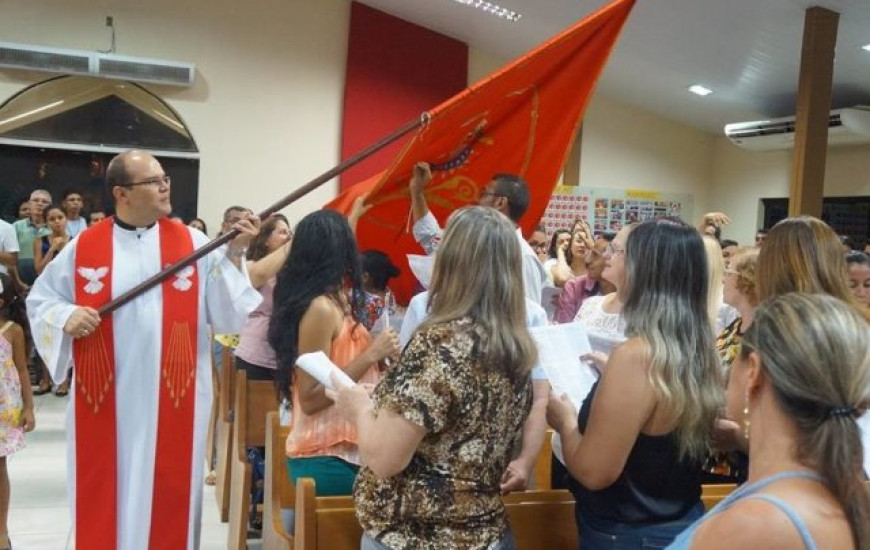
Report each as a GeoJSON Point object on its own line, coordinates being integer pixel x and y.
{"type": "Point", "coordinates": [866, 47]}
{"type": "Point", "coordinates": [494, 9]}
{"type": "Point", "coordinates": [700, 90]}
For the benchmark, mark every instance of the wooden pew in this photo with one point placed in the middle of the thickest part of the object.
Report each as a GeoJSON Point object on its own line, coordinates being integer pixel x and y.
{"type": "Point", "coordinates": [539, 519]}
{"type": "Point", "coordinates": [542, 519]}
{"type": "Point", "coordinates": [541, 478]}
{"type": "Point", "coordinates": [324, 522]}
{"type": "Point", "coordinates": [224, 432]}
{"type": "Point", "coordinates": [711, 495]}
{"type": "Point", "coordinates": [254, 399]}
{"type": "Point", "coordinates": [279, 493]}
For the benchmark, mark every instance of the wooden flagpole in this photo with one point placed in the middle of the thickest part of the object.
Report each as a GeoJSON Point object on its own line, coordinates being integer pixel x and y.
{"type": "Point", "coordinates": [282, 203]}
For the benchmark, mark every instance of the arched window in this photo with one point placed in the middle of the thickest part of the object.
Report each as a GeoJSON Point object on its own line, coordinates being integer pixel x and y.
{"type": "Point", "coordinates": [60, 133]}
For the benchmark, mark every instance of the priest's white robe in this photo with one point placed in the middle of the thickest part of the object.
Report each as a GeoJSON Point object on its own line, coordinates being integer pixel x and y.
{"type": "Point", "coordinates": [225, 300]}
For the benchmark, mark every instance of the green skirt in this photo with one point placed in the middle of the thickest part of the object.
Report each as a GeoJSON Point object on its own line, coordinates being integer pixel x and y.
{"type": "Point", "coordinates": [332, 476]}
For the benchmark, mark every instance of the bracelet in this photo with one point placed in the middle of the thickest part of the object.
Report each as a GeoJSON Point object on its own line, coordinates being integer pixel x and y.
{"type": "Point", "coordinates": [239, 253]}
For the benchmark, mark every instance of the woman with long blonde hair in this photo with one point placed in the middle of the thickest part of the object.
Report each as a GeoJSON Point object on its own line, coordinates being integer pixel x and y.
{"type": "Point", "coordinates": [438, 432]}
{"type": "Point", "coordinates": [635, 451]}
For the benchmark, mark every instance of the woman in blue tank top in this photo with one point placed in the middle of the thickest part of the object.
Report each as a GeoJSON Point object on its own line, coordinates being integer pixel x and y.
{"type": "Point", "coordinates": [801, 379]}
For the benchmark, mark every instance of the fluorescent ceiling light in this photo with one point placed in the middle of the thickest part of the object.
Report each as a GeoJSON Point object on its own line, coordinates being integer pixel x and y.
{"type": "Point", "coordinates": [866, 47]}
{"type": "Point", "coordinates": [494, 9]}
{"type": "Point", "coordinates": [700, 90]}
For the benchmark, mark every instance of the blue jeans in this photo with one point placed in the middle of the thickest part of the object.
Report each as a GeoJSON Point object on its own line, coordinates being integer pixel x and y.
{"type": "Point", "coordinates": [506, 543]}
{"type": "Point", "coordinates": [598, 534]}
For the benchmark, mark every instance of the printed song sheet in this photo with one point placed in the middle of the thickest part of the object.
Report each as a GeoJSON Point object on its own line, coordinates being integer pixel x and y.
{"type": "Point", "coordinates": [559, 351]}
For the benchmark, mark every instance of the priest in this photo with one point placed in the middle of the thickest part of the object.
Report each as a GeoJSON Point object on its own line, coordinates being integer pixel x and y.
{"type": "Point", "coordinates": [142, 388]}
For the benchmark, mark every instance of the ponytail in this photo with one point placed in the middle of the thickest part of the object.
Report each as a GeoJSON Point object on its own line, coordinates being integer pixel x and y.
{"type": "Point", "coordinates": [831, 443]}
{"type": "Point", "coordinates": [815, 349]}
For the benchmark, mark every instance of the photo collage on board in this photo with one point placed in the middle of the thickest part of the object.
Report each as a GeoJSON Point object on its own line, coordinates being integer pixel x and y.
{"type": "Point", "coordinates": [611, 209]}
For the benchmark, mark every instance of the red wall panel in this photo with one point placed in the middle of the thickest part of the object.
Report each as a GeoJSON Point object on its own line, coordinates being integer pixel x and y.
{"type": "Point", "coordinates": [395, 71]}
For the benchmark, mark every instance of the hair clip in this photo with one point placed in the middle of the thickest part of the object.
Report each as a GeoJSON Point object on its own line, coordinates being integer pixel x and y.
{"type": "Point", "coordinates": [839, 412]}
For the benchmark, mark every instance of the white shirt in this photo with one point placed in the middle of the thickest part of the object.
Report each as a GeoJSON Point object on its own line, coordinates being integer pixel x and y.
{"type": "Point", "coordinates": [428, 233]}
{"type": "Point", "coordinates": [74, 227]}
{"type": "Point", "coordinates": [418, 310]}
{"type": "Point", "coordinates": [8, 241]}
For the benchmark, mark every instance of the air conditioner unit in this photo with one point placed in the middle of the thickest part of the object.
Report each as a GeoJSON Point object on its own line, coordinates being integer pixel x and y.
{"type": "Point", "coordinates": [850, 126]}
{"type": "Point", "coordinates": [105, 65]}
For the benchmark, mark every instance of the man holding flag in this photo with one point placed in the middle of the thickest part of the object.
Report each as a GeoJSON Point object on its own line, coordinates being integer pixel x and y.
{"type": "Point", "coordinates": [507, 193]}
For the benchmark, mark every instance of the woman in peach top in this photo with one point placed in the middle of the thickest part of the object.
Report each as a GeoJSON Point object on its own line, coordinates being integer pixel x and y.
{"type": "Point", "coordinates": [314, 299]}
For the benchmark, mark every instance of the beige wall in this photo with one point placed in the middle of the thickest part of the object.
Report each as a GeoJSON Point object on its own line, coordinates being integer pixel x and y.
{"type": "Point", "coordinates": [742, 178]}
{"type": "Point", "coordinates": [265, 108]}
{"type": "Point", "coordinates": [627, 148]}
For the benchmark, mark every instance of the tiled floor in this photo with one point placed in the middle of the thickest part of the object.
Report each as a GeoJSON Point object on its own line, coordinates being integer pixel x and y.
{"type": "Point", "coordinates": [39, 513]}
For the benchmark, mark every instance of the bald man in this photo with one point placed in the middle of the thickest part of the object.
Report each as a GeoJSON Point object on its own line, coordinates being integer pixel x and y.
{"type": "Point", "coordinates": [142, 391]}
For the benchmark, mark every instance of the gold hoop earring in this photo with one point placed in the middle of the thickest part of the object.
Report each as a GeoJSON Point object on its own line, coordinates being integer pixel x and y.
{"type": "Point", "coordinates": [746, 416]}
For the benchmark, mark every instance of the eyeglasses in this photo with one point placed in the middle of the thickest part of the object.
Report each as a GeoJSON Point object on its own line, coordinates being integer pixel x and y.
{"type": "Point", "coordinates": [614, 250]}
{"type": "Point", "coordinates": [157, 182]}
{"type": "Point", "coordinates": [539, 246]}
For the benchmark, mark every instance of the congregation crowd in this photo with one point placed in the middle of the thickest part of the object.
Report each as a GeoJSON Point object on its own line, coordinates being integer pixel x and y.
{"type": "Point", "coordinates": [728, 362]}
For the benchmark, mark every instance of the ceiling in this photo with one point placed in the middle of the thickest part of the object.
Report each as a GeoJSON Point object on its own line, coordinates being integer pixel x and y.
{"type": "Point", "coordinates": [746, 51]}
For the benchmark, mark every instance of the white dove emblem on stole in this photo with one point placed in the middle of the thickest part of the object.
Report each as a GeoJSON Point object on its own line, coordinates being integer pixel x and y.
{"type": "Point", "coordinates": [182, 281]}
{"type": "Point", "coordinates": [93, 275]}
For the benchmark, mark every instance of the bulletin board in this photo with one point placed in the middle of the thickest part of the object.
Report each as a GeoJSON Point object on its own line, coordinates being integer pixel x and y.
{"type": "Point", "coordinates": [611, 209]}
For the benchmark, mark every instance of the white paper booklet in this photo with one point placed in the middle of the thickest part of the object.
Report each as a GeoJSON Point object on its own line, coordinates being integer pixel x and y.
{"type": "Point", "coordinates": [422, 267]}
{"type": "Point", "coordinates": [319, 366]}
{"type": "Point", "coordinates": [559, 351]}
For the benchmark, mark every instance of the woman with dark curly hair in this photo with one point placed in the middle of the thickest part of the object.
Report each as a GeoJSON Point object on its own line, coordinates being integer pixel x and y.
{"type": "Point", "coordinates": [317, 291]}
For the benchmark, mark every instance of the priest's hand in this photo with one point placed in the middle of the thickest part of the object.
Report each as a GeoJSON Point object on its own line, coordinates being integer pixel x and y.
{"type": "Point", "coordinates": [82, 322]}
{"type": "Point", "coordinates": [248, 228]}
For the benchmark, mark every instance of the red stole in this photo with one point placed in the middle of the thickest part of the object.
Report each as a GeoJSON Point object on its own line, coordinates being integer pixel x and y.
{"type": "Point", "coordinates": [95, 400]}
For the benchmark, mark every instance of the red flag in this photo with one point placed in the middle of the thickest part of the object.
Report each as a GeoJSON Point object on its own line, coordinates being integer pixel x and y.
{"type": "Point", "coordinates": [520, 120]}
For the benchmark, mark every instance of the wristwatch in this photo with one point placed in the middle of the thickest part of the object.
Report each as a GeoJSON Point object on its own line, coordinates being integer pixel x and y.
{"type": "Point", "coordinates": [238, 253]}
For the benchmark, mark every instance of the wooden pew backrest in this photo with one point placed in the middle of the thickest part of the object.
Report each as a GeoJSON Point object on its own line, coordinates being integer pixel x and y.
{"type": "Point", "coordinates": [711, 495]}
{"type": "Point", "coordinates": [254, 399]}
{"type": "Point", "coordinates": [324, 522]}
{"type": "Point", "coordinates": [278, 492]}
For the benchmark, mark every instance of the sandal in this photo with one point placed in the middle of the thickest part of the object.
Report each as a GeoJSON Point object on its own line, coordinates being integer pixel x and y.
{"type": "Point", "coordinates": [60, 392]}
{"type": "Point", "coordinates": [41, 390]}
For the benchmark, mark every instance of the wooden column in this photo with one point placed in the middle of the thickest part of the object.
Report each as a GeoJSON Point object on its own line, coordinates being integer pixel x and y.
{"type": "Point", "coordinates": [571, 173]}
{"type": "Point", "coordinates": [813, 108]}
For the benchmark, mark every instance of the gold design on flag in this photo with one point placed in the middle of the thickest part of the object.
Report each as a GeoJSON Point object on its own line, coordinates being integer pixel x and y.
{"type": "Point", "coordinates": [180, 368]}
{"type": "Point", "coordinates": [534, 115]}
{"type": "Point", "coordinates": [94, 371]}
